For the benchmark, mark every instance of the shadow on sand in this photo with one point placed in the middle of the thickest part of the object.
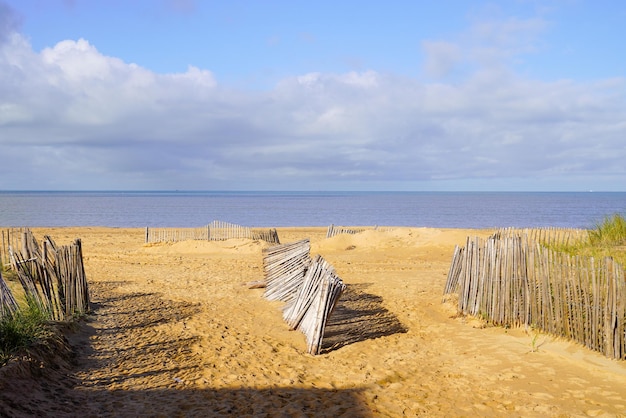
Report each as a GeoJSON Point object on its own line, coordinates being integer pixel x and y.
{"type": "Point", "coordinates": [359, 316]}
{"type": "Point", "coordinates": [60, 387]}
{"type": "Point", "coordinates": [46, 397]}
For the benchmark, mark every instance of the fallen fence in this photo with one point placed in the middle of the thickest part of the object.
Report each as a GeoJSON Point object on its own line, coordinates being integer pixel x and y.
{"type": "Point", "coordinates": [309, 287]}
{"type": "Point", "coordinates": [336, 230]}
{"type": "Point", "coordinates": [215, 231]}
{"type": "Point", "coordinates": [314, 302]}
{"type": "Point", "coordinates": [510, 280]}
{"type": "Point", "coordinates": [285, 266]}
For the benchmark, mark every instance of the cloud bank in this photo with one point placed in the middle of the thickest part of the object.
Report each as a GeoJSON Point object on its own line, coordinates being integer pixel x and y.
{"type": "Point", "coordinates": [73, 118]}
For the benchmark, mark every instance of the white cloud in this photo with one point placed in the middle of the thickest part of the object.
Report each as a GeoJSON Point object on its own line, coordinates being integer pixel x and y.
{"type": "Point", "coordinates": [71, 117]}
{"type": "Point", "coordinates": [78, 60]}
{"type": "Point", "coordinates": [195, 77]}
{"type": "Point", "coordinates": [488, 46]}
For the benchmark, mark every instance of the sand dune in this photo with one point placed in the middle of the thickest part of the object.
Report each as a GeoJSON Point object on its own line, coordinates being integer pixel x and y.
{"type": "Point", "coordinates": [175, 332]}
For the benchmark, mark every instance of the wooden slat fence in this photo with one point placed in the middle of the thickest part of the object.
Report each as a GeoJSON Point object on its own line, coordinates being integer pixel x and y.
{"type": "Point", "coordinates": [551, 237]}
{"type": "Point", "coordinates": [8, 304]}
{"type": "Point", "coordinates": [220, 231]}
{"type": "Point", "coordinates": [176, 234]}
{"type": "Point", "coordinates": [337, 230]}
{"type": "Point", "coordinates": [71, 278]}
{"type": "Point", "coordinates": [512, 281]}
{"type": "Point", "coordinates": [314, 302]}
{"type": "Point", "coordinates": [309, 287]}
{"type": "Point", "coordinates": [270, 236]}
{"type": "Point", "coordinates": [52, 277]}
{"type": "Point", "coordinates": [11, 238]}
{"type": "Point", "coordinates": [215, 231]}
{"type": "Point", "coordinates": [285, 266]}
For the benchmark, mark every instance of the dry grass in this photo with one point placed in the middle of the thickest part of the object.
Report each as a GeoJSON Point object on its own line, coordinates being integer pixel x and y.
{"type": "Point", "coordinates": [607, 239]}
{"type": "Point", "coordinates": [21, 330]}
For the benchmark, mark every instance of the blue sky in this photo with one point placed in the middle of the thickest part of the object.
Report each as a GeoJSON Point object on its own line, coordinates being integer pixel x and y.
{"type": "Point", "coordinates": [284, 95]}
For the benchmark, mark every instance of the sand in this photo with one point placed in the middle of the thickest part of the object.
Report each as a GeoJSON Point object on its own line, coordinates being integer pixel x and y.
{"type": "Point", "coordinates": [176, 332]}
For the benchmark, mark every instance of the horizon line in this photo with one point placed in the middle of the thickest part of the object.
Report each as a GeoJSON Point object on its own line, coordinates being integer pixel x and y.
{"type": "Point", "coordinates": [291, 191]}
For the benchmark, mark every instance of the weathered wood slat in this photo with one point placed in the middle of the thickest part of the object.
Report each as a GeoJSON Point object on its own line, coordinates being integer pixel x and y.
{"type": "Point", "coordinates": [337, 230]}
{"type": "Point", "coordinates": [284, 267]}
{"type": "Point", "coordinates": [509, 281]}
{"type": "Point", "coordinates": [309, 288]}
{"type": "Point", "coordinates": [314, 321]}
{"type": "Point", "coordinates": [215, 231]}
{"type": "Point", "coordinates": [8, 304]}
{"type": "Point", "coordinates": [53, 278]}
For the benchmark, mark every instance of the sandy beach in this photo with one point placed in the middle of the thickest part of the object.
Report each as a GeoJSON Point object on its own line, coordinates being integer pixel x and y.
{"type": "Point", "coordinates": [176, 331]}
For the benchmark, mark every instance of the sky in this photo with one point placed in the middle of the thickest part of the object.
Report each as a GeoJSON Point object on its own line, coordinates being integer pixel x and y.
{"type": "Point", "coordinates": [516, 95]}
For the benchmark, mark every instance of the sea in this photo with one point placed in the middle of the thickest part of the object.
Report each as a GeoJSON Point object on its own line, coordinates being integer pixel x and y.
{"type": "Point", "coordinates": [285, 209]}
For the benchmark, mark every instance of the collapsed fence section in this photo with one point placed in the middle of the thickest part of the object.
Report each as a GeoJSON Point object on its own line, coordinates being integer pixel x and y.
{"type": "Point", "coordinates": [285, 266]}
{"type": "Point", "coordinates": [309, 287]}
{"type": "Point", "coordinates": [336, 230]}
{"type": "Point", "coordinates": [314, 302]}
{"type": "Point", "coordinates": [511, 281]}
{"type": "Point", "coordinates": [215, 231]}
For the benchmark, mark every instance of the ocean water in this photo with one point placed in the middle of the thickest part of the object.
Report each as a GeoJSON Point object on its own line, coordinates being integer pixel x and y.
{"type": "Point", "coordinates": [276, 209]}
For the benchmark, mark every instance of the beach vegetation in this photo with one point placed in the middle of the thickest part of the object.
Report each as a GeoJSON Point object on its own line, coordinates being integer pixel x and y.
{"type": "Point", "coordinates": [8, 273]}
{"type": "Point", "coordinates": [21, 330]}
{"type": "Point", "coordinates": [606, 239]}
{"type": "Point", "coordinates": [535, 343]}
{"type": "Point", "coordinates": [610, 232]}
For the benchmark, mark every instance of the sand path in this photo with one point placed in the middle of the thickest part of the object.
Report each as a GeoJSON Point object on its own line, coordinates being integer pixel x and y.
{"type": "Point", "coordinates": [175, 333]}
